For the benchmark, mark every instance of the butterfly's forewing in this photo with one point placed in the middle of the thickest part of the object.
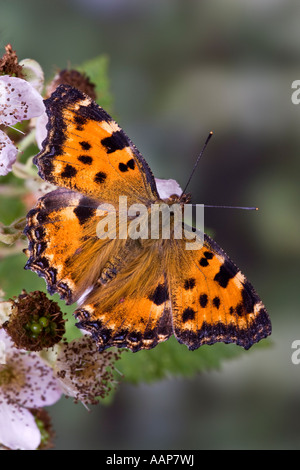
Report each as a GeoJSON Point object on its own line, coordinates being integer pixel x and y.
{"type": "Point", "coordinates": [212, 301]}
{"type": "Point", "coordinates": [86, 151]}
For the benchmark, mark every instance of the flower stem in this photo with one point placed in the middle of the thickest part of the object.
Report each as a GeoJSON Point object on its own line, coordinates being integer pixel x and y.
{"type": "Point", "coordinates": [26, 141]}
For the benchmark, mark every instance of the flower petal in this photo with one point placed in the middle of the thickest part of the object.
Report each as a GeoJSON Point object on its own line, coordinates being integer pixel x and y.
{"type": "Point", "coordinates": [33, 73]}
{"type": "Point", "coordinates": [18, 100]}
{"type": "Point", "coordinates": [5, 311]}
{"type": "Point", "coordinates": [166, 188]}
{"type": "Point", "coordinates": [40, 129]}
{"type": "Point", "coordinates": [41, 387]}
{"type": "Point", "coordinates": [18, 429]}
{"type": "Point", "coordinates": [2, 352]}
{"type": "Point", "coordinates": [8, 154]}
{"type": "Point", "coordinates": [6, 340]}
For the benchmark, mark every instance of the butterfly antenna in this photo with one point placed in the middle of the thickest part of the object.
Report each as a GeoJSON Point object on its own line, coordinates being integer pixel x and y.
{"type": "Point", "coordinates": [196, 163]}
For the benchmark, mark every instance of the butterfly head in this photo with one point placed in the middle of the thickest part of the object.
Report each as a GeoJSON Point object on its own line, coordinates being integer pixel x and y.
{"type": "Point", "coordinates": [175, 199]}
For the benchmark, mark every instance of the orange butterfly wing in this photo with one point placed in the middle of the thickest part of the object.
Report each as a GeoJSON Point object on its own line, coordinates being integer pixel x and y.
{"type": "Point", "coordinates": [136, 321]}
{"type": "Point", "coordinates": [212, 301]}
{"type": "Point", "coordinates": [199, 296]}
{"type": "Point", "coordinates": [86, 151]}
{"type": "Point", "coordinates": [62, 242]}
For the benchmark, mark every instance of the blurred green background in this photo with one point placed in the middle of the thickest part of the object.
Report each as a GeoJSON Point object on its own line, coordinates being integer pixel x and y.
{"type": "Point", "coordinates": [178, 69]}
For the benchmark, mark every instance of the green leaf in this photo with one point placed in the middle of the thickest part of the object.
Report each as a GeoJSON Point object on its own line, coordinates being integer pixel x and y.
{"type": "Point", "coordinates": [11, 208]}
{"type": "Point", "coordinates": [173, 359]}
{"type": "Point", "coordinates": [72, 332]}
{"type": "Point", "coordinates": [13, 277]}
{"type": "Point", "coordinates": [96, 69]}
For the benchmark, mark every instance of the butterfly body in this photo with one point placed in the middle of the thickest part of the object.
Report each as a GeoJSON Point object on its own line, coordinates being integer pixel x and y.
{"type": "Point", "coordinates": [133, 290]}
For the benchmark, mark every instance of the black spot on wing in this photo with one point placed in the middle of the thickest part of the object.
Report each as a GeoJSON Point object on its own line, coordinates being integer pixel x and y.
{"type": "Point", "coordinates": [85, 145]}
{"type": "Point", "coordinates": [69, 171]}
{"type": "Point", "coordinates": [203, 262]}
{"type": "Point", "coordinates": [100, 177]}
{"type": "Point", "coordinates": [159, 295]}
{"type": "Point", "coordinates": [188, 314]}
{"type": "Point", "coordinates": [84, 213]}
{"type": "Point", "coordinates": [86, 159]}
{"type": "Point", "coordinates": [131, 164]}
{"type": "Point", "coordinates": [203, 299]}
{"type": "Point", "coordinates": [189, 284]}
{"type": "Point", "coordinates": [227, 271]}
{"type": "Point", "coordinates": [123, 167]}
{"type": "Point", "coordinates": [117, 141]}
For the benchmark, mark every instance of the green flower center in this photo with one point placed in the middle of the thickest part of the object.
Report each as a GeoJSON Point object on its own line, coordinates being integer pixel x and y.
{"type": "Point", "coordinates": [36, 322]}
{"type": "Point", "coordinates": [41, 325]}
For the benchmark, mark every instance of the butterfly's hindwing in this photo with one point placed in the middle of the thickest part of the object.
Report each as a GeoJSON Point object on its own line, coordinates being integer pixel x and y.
{"type": "Point", "coordinates": [132, 322]}
{"type": "Point", "coordinates": [214, 302]}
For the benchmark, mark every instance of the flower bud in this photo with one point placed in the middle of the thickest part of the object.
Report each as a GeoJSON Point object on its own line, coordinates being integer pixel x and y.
{"type": "Point", "coordinates": [33, 73]}
{"type": "Point", "coordinates": [75, 79]}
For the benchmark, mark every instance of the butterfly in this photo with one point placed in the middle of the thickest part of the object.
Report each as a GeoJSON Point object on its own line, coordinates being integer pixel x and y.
{"type": "Point", "coordinates": [130, 293]}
